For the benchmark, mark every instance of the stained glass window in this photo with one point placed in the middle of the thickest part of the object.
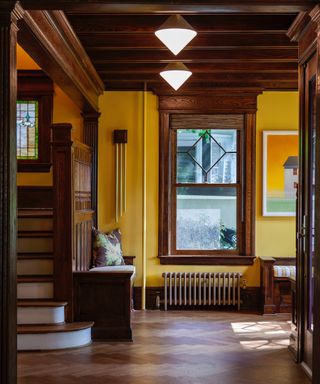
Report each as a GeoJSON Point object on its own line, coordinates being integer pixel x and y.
{"type": "Point", "coordinates": [27, 129]}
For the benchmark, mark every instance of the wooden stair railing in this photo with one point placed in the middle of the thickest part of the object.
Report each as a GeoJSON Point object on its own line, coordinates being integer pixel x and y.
{"type": "Point", "coordinates": [73, 216]}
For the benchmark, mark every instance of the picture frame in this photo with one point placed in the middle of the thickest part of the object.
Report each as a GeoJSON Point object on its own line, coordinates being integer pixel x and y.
{"type": "Point", "coordinates": [280, 172]}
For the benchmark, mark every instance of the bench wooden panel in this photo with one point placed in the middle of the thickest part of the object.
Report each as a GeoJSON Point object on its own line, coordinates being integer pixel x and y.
{"type": "Point", "coordinates": [275, 291]}
{"type": "Point", "coordinates": [105, 298]}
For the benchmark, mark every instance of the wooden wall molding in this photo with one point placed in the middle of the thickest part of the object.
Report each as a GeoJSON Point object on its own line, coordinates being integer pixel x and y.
{"type": "Point", "coordinates": [8, 168]}
{"type": "Point", "coordinates": [230, 103]}
{"type": "Point", "coordinates": [49, 39]}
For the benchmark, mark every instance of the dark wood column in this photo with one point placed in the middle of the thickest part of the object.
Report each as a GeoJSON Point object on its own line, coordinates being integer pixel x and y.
{"type": "Point", "coordinates": [8, 95]}
{"type": "Point", "coordinates": [91, 127]}
{"type": "Point", "coordinates": [63, 220]}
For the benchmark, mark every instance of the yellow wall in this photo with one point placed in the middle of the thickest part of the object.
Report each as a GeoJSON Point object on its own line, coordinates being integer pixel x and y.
{"type": "Point", "coordinates": [123, 110]}
{"type": "Point", "coordinates": [275, 236]}
{"type": "Point", "coordinates": [64, 111]}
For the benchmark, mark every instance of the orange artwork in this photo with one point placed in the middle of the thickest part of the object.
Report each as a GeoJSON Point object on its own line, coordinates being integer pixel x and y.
{"type": "Point", "coordinates": [280, 172]}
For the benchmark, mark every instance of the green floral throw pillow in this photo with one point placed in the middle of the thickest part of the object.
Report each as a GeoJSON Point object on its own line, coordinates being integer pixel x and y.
{"type": "Point", "coordinates": [107, 248]}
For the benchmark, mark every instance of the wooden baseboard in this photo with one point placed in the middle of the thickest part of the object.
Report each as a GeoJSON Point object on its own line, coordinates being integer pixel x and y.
{"type": "Point", "coordinates": [250, 298]}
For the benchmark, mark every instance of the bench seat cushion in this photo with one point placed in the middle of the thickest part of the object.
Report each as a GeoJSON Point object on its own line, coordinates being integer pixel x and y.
{"type": "Point", "coordinates": [116, 269]}
{"type": "Point", "coordinates": [284, 271]}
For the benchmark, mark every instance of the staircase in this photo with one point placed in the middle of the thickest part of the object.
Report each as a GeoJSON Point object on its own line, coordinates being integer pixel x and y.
{"type": "Point", "coordinates": [41, 319]}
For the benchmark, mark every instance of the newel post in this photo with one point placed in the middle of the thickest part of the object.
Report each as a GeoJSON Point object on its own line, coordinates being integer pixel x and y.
{"type": "Point", "coordinates": [63, 214]}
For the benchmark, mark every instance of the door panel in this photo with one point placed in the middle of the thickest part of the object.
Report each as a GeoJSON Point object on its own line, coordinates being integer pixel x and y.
{"type": "Point", "coordinates": [306, 217]}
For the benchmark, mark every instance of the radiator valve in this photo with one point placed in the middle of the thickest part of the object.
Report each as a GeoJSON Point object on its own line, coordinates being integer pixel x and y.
{"type": "Point", "coordinates": [158, 300]}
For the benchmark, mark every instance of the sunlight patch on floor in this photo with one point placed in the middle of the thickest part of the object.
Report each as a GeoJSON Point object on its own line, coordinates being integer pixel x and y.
{"type": "Point", "coordinates": [265, 344]}
{"type": "Point", "coordinates": [262, 335]}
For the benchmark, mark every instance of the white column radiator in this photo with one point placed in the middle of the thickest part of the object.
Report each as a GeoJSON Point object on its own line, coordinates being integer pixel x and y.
{"type": "Point", "coordinates": [185, 289]}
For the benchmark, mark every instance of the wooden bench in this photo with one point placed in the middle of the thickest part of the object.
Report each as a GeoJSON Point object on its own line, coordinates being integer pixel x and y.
{"type": "Point", "coordinates": [276, 292]}
{"type": "Point", "coordinates": [105, 297]}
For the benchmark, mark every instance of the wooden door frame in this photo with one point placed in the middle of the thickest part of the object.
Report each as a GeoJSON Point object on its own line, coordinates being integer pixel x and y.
{"type": "Point", "coordinates": [8, 168]}
{"type": "Point", "coordinates": [306, 31]}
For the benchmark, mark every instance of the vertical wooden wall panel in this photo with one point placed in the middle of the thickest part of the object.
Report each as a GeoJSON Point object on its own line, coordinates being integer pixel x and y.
{"type": "Point", "coordinates": [91, 126]}
{"type": "Point", "coordinates": [8, 95]}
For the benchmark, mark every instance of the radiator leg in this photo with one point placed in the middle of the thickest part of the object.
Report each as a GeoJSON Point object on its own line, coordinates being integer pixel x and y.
{"type": "Point", "coordinates": [165, 292]}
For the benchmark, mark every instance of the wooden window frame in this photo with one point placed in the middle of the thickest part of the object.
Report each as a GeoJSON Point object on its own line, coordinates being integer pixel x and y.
{"type": "Point", "coordinates": [35, 85]}
{"type": "Point", "coordinates": [167, 253]}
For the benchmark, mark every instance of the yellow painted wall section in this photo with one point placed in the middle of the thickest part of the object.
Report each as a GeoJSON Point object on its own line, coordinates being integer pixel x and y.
{"type": "Point", "coordinates": [64, 111]}
{"type": "Point", "coordinates": [275, 236]}
{"type": "Point", "coordinates": [122, 110]}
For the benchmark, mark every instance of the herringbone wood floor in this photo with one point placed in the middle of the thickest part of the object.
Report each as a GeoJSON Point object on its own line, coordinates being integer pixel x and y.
{"type": "Point", "coordinates": [177, 347]}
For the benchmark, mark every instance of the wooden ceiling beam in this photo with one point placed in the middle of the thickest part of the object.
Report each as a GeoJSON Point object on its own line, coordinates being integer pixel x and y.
{"type": "Point", "coordinates": [277, 67]}
{"type": "Point", "coordinates": [205, 23]}
{"type": "Point", "coordinates": [197, 77]}
{"type": "Point", "coordinates": [196, 56]}
{"type": "Point", "coordinates": [202, 87]}
{"type": "Point", "coordinates": [149, 40]}
{"type": "Point", "coordinates": [173, 6]}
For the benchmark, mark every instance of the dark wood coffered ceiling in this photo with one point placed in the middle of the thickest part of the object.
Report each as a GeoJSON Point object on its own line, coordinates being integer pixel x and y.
{"type": "Point", "coordinates": [241, 45]}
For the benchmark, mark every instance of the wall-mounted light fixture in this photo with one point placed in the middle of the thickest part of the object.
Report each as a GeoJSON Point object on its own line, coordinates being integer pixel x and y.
{"type": "Point", "coordinates": [120, 139]}
{"type": "Point", "coordinates": [176, 74]}
{"type": "Point", "coordinates": [175, 33]}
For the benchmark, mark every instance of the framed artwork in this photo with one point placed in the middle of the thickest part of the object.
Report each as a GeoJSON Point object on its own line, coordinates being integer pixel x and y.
{"type": "Point", "coordinates": [280, 172]}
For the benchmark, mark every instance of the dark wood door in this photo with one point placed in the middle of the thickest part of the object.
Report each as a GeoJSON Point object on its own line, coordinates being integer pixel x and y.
{"type": "Point", "coordinates": [306, 216]}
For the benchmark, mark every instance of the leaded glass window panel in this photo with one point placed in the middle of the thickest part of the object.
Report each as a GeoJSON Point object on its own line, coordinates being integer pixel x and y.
{"type": "Point", "coordinates": [27, 129]}
{"type": "Point", "coordinates": [206, 156]}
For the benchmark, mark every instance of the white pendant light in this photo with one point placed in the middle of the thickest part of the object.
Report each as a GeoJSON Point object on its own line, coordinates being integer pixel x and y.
{"type": "Point", "coordinates": [175, 33]}
{"type": "Point", "coordinates": [176, 74]}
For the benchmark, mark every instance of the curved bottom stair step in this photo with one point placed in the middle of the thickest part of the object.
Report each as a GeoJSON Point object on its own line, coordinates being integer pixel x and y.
{"type": "Point", "coordinates": [48, 337]}
{"type": "Point", "coordinates": [40, 312]}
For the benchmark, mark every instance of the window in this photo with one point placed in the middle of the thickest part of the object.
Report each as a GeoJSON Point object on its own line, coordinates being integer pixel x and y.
{"type": "Point", "coordinates": [206, 214]}
{"type": "Point", "coordinates": [206, 189]}
{"type": "Point", "coordinates": [33, 121]}
{"type": "Point", "coordinates": [27, 129]}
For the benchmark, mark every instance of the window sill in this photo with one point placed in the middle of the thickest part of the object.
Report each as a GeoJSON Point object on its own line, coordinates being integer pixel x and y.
{"type": "Point", "coordinates": [206, 260]}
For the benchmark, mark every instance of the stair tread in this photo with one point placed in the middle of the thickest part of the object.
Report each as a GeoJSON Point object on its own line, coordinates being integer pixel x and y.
{"type": "Point", "coordinates": [35, 256]}
{"type": "Point", "coordinates": [53, 328]}
{"type": "Point", "coordinates": [37, 233]}
{"type": "Point", "coordinates": [35, 278]}
{"type": "Point", "coordinates": [41, 303]}
{"type": "Point", "coordinates": [35, 213]}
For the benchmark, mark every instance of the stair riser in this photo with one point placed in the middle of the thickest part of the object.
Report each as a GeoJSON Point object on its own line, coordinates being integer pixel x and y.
{"type": "Point", "coordinates": [35, 224]}
{"type": "Point", "coordinates": [36, 244]}
{"type": "Point", "coordinates": [59, 340]}
{"type": "Point", "coordinates": [36, 290]}
{"type": "Point", "coordinates": [35, 267]}
{"type": "Point", "coordinates": [40, 315]}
